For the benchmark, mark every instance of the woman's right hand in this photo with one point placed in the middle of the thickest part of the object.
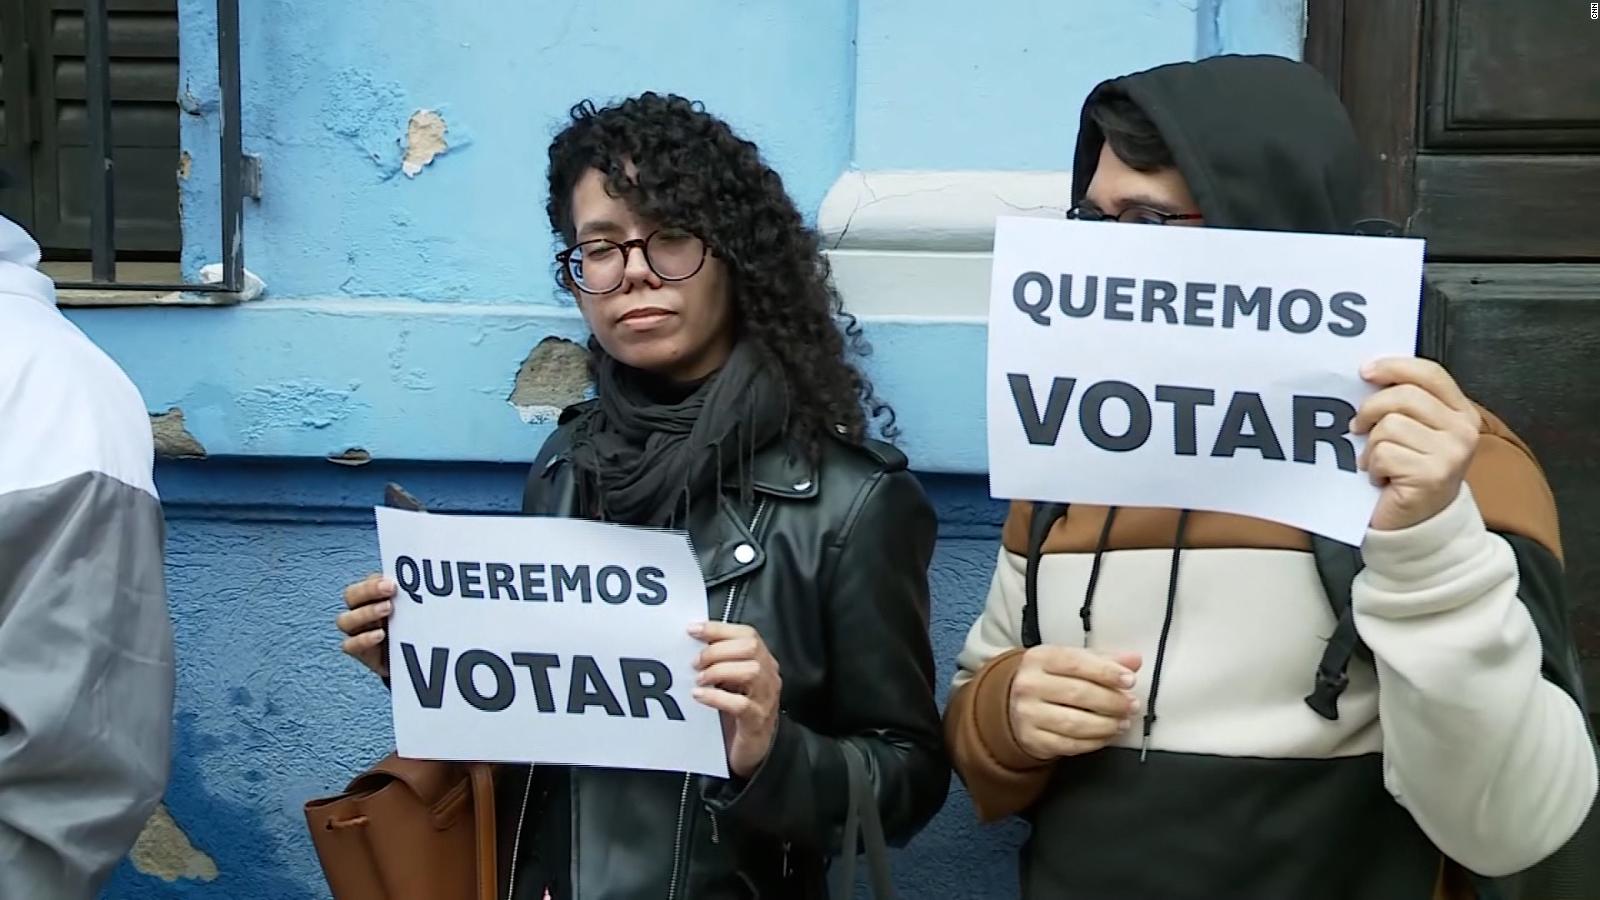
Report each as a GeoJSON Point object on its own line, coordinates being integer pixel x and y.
{"type": "Point", "coordinates": [363, 623]}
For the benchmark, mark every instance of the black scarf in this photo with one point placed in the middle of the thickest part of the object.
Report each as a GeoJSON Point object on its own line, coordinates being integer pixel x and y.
{"type": "Point", "coordinates": [642, 459]}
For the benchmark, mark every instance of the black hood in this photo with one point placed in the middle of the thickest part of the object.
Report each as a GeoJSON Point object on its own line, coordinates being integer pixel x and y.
{"type": "Point", "coordinates": [1263, 142]}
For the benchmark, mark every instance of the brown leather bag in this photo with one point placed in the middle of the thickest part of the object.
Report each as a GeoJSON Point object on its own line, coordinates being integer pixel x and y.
{"type": "Point", "coordinates": [409, 829]}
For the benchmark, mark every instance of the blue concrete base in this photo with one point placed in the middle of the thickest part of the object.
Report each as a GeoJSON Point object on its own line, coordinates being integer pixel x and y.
{"type": "Point", "coordinates": [270, 713]}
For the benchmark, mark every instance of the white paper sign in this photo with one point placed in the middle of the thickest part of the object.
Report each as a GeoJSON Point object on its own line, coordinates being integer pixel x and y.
{"type": "Point", "coordinates": [1195, 368]}
{"type": "Point", "coordinates": [548, 640]}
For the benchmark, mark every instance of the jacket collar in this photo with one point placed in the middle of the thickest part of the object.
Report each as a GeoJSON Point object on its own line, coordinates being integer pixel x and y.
{"type": "Point", "coordinates": [727, 539]}
{"type": "Point", "coordinates": [782, 471]}
{"type": "Point", "coordinates": [724, 535]}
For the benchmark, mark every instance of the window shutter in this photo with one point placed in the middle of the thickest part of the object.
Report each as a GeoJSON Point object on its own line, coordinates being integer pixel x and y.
{"type": "Point", "coordinates": [144, 114]}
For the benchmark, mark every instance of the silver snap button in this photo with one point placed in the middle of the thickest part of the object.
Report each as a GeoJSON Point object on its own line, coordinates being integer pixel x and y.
{"type": "Point", "coordinates": [802, 486]}
{"type": "Point", "coordinates": [744, 554]}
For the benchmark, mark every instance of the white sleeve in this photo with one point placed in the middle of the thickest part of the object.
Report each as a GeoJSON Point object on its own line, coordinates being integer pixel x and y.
{"type": "Point", "coordinates": [1494, 762]}
{"type": "Point", "coordinates": [999, 628]}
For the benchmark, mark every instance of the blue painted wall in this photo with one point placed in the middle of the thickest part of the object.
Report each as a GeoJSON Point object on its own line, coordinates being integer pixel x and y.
{"type": "Point", "coordinates": [399, 310]}
{"type": "Point", "coordinates": [953, 84]}
{"type": "Point", "coordinates": [329, 87]}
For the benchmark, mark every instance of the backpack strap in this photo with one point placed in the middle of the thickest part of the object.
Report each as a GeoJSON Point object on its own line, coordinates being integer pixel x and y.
{"type": "Point", "coordinates": [1337, 565]}
{"type": "Point", "coordinates": [1045, 516]}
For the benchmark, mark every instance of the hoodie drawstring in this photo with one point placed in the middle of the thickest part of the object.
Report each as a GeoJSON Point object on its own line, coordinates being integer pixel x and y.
{"type": "Point", "coordinates": [1086, 612]}
{"type": "Point", "coordinates": [1045, 515]}
{"type": "Point", "coordinates": [1166, 629]}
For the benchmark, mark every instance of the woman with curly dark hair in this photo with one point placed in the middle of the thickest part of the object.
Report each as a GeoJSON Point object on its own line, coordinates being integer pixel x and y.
{"type": "Point", "coordinates": [726, 404]}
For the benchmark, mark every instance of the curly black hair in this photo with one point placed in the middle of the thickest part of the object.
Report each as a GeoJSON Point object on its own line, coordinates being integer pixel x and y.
{"type": "Point", "coordinates": [690, 170]}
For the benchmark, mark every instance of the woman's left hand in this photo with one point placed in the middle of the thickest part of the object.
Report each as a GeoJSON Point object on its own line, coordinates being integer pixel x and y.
{"type": "Point", "coordinates": [739, 678]}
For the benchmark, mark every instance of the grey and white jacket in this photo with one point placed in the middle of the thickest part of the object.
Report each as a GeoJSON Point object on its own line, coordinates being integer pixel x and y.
{"type": "Point", "coordinates": [86, 670]}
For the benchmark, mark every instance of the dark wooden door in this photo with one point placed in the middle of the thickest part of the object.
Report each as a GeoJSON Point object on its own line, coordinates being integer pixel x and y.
{"type": "Point", "coordinates": [1482, 118]}
{"type": "Point", "coordinates": [1482, 115]}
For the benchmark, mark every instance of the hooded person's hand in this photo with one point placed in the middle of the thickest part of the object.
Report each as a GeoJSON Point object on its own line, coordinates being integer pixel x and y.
{"type": "Point", "coordinates": [1067, 701]}
{"type": "Point", "coordinates": [1421, 434]}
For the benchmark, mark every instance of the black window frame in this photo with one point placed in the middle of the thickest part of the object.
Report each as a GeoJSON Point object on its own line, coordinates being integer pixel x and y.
{"type": "Point", "coordinates": [102, 216]}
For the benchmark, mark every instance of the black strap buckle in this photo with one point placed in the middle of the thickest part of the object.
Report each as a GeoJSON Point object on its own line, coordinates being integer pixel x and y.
{"type": "Point", "coordinates": [1324, 698]}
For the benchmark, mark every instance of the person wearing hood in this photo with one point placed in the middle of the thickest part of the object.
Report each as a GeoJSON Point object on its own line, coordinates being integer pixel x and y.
{"type": "Point", "coordinates": [1193, 704]}
{"type": "Point", "coordinates": [86, 669]}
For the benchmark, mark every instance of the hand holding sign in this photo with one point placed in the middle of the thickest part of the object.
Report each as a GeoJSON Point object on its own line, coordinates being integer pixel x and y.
{"type": "Point", "coordinates": [1067, 701]}
{"type": "Point", "coordinates": [369, 601]}
{"type": "Point", "coordinates": [1197, 368]}
{"type": "Point", "coordinates": [1421, 432]}
{"type": "Point", "coordinates": [547, 640]}
{"type": "Point", "coordinates": [363, 623]}
{"type": "Point", "coordinates": [739, 678]}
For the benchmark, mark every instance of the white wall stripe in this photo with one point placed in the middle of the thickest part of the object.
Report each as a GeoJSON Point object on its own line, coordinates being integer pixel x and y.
{"type": "Point", "coordinates": [918, 243]}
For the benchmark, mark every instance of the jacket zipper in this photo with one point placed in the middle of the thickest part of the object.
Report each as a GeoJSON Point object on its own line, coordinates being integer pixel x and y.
{"type": "Point", "coordinates": [516, 843]}
{"type": "Point", "coordinates": [677, 839]}
{"type": "Point", "coordinates": [683, 799]}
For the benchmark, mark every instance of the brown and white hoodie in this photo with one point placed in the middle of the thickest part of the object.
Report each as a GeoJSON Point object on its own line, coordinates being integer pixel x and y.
{"type": "Point", "coordinates": [1457, 750]}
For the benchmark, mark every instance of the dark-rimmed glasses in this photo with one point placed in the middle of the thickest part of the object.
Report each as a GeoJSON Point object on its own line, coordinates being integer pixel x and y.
{"type": "Point", "coordinates": [1130, 215]}
{"type": "Point", "coordinates": [600, 266]}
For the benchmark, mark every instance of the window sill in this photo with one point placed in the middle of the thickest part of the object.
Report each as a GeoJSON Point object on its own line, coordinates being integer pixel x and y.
{"type": "Point", "coordinates": [130, 273]}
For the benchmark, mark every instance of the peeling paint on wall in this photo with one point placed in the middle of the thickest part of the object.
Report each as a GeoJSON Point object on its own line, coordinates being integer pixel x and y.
{"type": "Point", "coordinates": [197, 105]}
{"type": "Point", "coordinates": [554, 376]}
{"type": "Point", "coordinates": [172, 437]}
{"type": "Point", "coordinates": [165, 852]}
{"type": "Point", "coordinates": [294, 404]}
{"type": "Point", "coordinates": [185, 165]}
{"type": "Point", "coordinates": [355, 456]}
{"type": "Point", "coordinates": [425, 141]}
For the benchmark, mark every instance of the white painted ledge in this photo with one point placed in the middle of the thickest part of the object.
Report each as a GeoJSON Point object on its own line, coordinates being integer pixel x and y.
{"type": "Point", "coordinates": [934, 210]}
{"type": "Point", "coordinates": [918, 243]}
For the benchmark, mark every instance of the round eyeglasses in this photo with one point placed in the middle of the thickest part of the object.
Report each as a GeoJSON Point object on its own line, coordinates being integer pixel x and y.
{"type": "Point", "coordinates": [599, 266]}
{"type": "Point", "coordinates": [1130, 215]}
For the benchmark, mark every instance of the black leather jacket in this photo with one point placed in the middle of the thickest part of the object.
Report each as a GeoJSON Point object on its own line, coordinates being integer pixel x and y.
{"type": "Point", "coordinates": [830, 567]}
